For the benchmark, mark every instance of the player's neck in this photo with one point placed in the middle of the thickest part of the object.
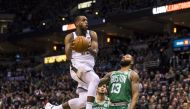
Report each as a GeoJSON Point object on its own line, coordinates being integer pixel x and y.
{"type": "Point", "coordinates": [125, 68]}
{"type": "Point", "coordinates": [80, 32]}
{"type": "Point", "coordinates": [100, 97]}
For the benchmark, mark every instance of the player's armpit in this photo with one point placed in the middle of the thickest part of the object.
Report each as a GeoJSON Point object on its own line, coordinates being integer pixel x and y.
{"type": "Point", "coordinates": [135, 89]}
{"type": "Point", "coordinates": [105, 79]}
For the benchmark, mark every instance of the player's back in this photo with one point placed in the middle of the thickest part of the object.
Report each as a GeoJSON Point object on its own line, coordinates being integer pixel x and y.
{"type": "Point", "coordinates": [120, 86]}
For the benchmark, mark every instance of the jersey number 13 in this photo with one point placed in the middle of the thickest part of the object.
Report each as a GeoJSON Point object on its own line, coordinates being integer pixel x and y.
{"type": "Point", "coordinates": [116, 87]}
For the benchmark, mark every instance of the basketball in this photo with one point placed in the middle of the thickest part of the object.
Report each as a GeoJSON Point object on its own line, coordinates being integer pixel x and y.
{"type": "Point", "coordinates": [81, 44]}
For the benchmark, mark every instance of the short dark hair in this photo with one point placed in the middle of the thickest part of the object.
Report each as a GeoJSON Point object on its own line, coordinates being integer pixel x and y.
{"type": "Point", "coordinates": [77, 18]}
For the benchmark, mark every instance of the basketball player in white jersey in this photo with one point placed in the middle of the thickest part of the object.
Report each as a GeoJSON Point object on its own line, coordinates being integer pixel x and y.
{"type": "Point", "coordinates": [81, 67]}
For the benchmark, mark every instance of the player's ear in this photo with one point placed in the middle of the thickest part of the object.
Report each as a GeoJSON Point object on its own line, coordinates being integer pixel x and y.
{"type": "Point", "coordinates": [77, 23]}
{"type": "Point", "coordinates": [132, 62]}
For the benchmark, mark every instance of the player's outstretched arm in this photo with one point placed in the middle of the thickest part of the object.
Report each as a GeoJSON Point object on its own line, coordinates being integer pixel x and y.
{"type": "Point", "coordinates": [93, 49]}
{"type": "Point", "coordinates": [135, 89]}
{"type": "Point", "coordinates": [105, 79]}
{"type": "Point", "coordinates": [68, 46]}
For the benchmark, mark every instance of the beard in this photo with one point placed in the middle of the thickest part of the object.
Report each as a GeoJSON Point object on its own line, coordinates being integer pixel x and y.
{"type": "Point", "coordinates": [125, 63]}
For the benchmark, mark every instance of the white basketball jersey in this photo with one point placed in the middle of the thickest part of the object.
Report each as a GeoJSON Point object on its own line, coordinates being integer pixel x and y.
{"type": "Point", "coordinates": [84, 58]}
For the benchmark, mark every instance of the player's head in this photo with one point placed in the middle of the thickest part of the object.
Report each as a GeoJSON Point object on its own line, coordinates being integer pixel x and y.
{"type": "Point", "coordinates": [102, 89]}
{"type": "Point", "coordinates": [81, 22]}
{"type": "Point", "coordinates": [127, 60]}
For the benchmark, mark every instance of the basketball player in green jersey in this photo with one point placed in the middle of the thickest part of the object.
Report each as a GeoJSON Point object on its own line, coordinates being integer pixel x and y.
{"type": "Point", "coordinates": [101, 100]}
{"type": "Point", "coordinates": [123, 85]}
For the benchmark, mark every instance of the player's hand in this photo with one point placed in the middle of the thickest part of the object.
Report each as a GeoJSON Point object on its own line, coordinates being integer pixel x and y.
{"type": "Point", "coordinates": [72, 45]}
{"type": "Point", "coordinates": [89, 45]}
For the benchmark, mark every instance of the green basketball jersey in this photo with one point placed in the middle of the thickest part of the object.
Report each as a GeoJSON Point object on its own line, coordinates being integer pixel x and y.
{"type": "Point", "coordinates": [102, 105]}
{"type": "Point", "coordinates": [120, 86]}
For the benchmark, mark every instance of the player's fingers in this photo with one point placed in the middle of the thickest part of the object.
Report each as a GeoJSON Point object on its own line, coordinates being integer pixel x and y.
{"type": "Point", "coordinates": [73, 42]}
{"type": "Point", "coordinates": [72, 46]}
{"type": "Point", "coordinates": [89, 44]}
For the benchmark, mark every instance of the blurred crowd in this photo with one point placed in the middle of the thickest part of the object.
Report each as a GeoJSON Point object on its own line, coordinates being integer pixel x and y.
{"type": "Point", "coordinates": [115, 6]}
{"type": "Point", "coordinates": [39, 15]}
{"type": "Point", "coordinates": [35, 15]}
{"type": "Point", "coordinates": [24, 88]}
{"type": "Point", "coordinates": [164, 85]}
{"type": "Point", "coordinates": [164, 75]}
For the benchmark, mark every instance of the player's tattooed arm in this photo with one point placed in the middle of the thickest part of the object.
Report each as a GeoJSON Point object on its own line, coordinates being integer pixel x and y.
{"type": "Point", "coordinates": [93, 49]}
{"type": "Point", "coordinates": [135, 89]}
{"type": "Point", "coordinates": [105, 79]}
{"type": "Point", "coordinates": [68, 46]}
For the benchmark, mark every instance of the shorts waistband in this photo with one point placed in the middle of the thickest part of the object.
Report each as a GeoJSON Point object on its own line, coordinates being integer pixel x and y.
{"type": "Point", "coordinates": [119, 104]}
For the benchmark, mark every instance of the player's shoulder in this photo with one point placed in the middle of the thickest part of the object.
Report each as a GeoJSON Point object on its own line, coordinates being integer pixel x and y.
{"type": "Point", "coordinates": [107, 98]}
{"type": "Point", "coordinates": [68, 38]}
{"type": "Point", "coordinates": [93, 33]}
{"type": "Point", "coordinates": [69, 35]}
{"type": "Point", "coordinates": [134, 75]}
{"type": "Point", "coordinates": [108, 74]}
{"type": "Point", "coordinates": [112, 72]}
